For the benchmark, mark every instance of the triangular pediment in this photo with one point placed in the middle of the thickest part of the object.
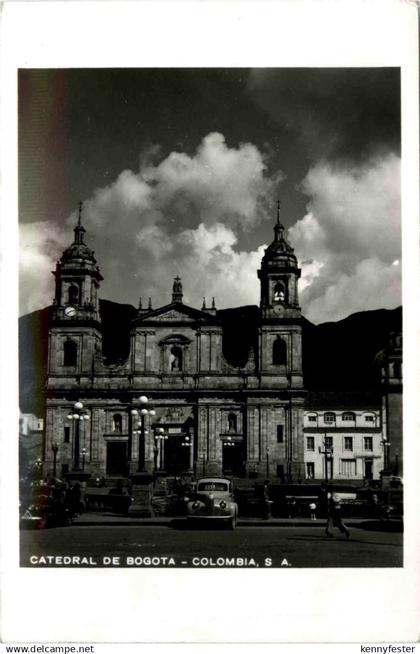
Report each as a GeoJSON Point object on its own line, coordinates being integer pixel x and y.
{"type": "Point", "coordinates": [176, 313]}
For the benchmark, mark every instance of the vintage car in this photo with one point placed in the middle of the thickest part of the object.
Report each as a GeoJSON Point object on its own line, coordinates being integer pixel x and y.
{"type": "Point", "coordinates": [213, 500]}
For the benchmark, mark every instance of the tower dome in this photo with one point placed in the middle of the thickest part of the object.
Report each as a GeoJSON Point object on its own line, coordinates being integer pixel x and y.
{"type": "Point", "coordinates": [77, 279]}
{"type": "Point", "coordinates": [279, 253]}
{"type": "Point", "coordinates": [78, 252]}
{"type": "Point", "coordinates": [279, 274]}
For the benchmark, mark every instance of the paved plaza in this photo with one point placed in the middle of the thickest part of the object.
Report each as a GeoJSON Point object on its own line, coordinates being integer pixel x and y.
{"type": "Point", "coordinates": [174, 544]}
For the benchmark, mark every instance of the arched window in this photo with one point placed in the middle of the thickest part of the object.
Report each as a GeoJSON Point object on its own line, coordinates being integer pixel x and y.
{"type": "Point", "coordinates": [175, 359]}
{"type": "Point", "coordinates": [73, 294]}
{"type": "Point", "coordinates": [232, 422]}
{"type": "Point", "coordinates": [329, 417]}
{"type": "Point", "coordinates": [279, 352]}
{"type": "Point", "coordinates": [117, 422]}
{"type": "Point", "coordinates": [369, 417]}
{"type": "Point", "coordinates": [349, 416]}
{"type": "Point", "coordinates": [70, 353]}
{"type": "Point", "coordinates": [279, 292]}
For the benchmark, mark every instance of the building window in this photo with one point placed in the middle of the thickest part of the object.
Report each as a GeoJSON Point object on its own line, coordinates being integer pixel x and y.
{"type": "Point", "coordinates": [73, 294]}
{"type": "Point", "coordinates": [279, 352]}
{"type": "Point", "coordinates": [70, 353]}
{"type": "Point", "coordinates": [175, 359]}
{"type": "Point", "coordinates": [348, 467]}
{"type": "Point", "coordinates": [348, 443]}
{"type": "Point", "coordinates": [369, 418]}
{"type": "Point", "coordinates": [312, 418]}
{"type": "Point", "coordinates": [280, 434]}
{"type": "Point", "coordinates": [310, 470]}
{"type": "Point", "coordinates": [368, 443]}
{"type": "Point", "coordinates": [67, 434]}
{"type": "Point", "coordinates": [117, 422]}
{"type": "Point", "coordinates": [328, 441]}
{"type": "Point", "coordinates": [279, 292]}
{"type": "Point", "coordinates": [280, 471]}
{"type": "Point", "coordinates": [329, 417]}
{"type": "Point", "coordinates": [310, 443]}
{"type": "Point", "coordinates": [349, 416]}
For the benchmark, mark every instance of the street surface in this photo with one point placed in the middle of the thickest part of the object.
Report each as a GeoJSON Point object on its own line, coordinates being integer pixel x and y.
{"type": "Point", "coordinates": [177, 546]}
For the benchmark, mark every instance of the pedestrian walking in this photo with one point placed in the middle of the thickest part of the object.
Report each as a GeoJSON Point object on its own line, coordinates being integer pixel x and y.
{"type": "Point", "coordinates": [292, 508]}
{"type": "Point", "coordinates": [312, 509]}
{"type": "Point", "coordinates": [334, 516]}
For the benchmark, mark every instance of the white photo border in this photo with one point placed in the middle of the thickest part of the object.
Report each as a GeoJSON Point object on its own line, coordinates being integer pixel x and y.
{"type": "Point", "coordinates": [149, 606]}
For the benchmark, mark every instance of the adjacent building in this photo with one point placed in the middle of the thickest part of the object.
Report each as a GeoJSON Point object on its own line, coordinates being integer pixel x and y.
{"type": "Point", "coordinates": [390, 361]}
{"type": "Point", "coordinates": [31, 440]}
{"type": "Point", "coordinates": [343, 438]}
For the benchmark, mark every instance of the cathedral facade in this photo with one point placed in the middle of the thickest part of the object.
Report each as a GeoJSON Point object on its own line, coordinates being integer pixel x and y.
{"type": "Point", "coordinates": [176, 403]}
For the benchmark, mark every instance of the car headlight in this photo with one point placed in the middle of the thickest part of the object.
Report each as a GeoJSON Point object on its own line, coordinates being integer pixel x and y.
{"type": "Point", "coordinates": [195, 504]}
{"type": "Point", "coordinates": [222, 504]}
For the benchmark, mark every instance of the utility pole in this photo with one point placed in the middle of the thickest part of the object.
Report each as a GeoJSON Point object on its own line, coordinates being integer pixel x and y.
{"type": "Point", "coordinates": [327, 452]}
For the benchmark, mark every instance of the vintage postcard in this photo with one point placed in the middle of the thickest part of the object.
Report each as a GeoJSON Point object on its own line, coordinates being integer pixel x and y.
{"type": "Point", "coordinates": [210, 334]}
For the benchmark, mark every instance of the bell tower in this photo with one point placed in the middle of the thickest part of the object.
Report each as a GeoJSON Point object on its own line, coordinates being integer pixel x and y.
{"type": "Point", "coordinates": [280, 353]}
{"type": "Point", "coordinates": [279, 276]}
{"type": "Point", "coordinates": [275, 414]}
{"type": "Point", "coordinates": [75, 333]}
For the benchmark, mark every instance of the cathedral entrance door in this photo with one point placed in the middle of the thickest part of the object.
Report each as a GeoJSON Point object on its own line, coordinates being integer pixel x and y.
{"type": "Point", "coordinates": [176, 455]}
{"type": "Point", "coordinates": [233, 458]}
{"type": "Point", "coordinates": [116, 459]}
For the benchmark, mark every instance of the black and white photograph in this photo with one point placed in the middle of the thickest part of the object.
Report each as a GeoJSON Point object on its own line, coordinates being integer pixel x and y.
{"type": "Point", "coordinates": [210, 338]}
{"type": "Point", "coordinates": [210, 330]}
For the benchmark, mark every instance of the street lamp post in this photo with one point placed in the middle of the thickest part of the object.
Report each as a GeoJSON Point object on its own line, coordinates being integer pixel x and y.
{"type": "Point", "coordinates": [327, 452]}
{"type": "Point", "coordinates": [83, 453]}
{"type": "Point", "coordinates": [385, 444]}
{"type": "Point", "coordinates": [54, 448]}
{"type": "Point", "coordinates": [188, 443]}
{"type": "Point", "coordinates": [79, 415]}
{"type": "Point", "coordinates": [160, 437]}
{"type": "Point", "coordinates": [267, 454]}
{"type": "Point", "coordinates": [141, 432]}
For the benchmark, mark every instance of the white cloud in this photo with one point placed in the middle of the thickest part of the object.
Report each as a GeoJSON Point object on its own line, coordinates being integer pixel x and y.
{"type": "Point", "coordinates": [41, 244]}
{"type": "Point", "coordinates": [220, 183]}
{"type": "Point", "coordinates": [208, 264]}
{"type": "Point", "coordinates": [352, 235]}
{"type": "Point", "coordinates": [373, 284]}
{"type": "Point", "coordinates": [183, 216]}
{"type": "Point", "coordinates": [178, 216]}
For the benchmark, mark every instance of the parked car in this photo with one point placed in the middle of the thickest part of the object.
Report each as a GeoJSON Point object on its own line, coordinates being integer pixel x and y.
{"type": "Point", "coordinates": [213, 500]}
{"type": "Point", "coordinates": [48, 508]}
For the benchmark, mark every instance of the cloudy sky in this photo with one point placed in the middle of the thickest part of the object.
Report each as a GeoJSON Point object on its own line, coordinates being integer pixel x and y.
{"type": "Point", "coordinates": [180, 170]}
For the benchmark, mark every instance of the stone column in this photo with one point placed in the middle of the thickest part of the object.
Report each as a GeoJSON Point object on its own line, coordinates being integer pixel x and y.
{"type": "Point", "coordinates": [253, 426]}
{"type": "Point", "coordinates": [202, 440]}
